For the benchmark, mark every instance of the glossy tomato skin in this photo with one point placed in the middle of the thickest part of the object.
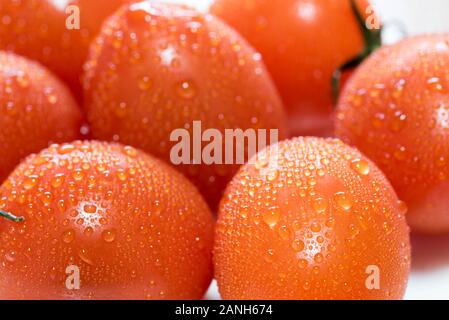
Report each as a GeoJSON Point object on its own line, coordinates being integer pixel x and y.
{"type": "Point", "coordinates": [134, 227]}
{"type": "Point", "coordinates": [37, 29]}
{"type": "Point", "coordinates": [302, 43]}
{"type": "Point", "coordinates": [395, 110]}
{"type": "Point", "coordinates": [310, 226]}
{"type": "Point", "coordinates": [156, 68]}
{"type": "Point", "coordinates": [36, 109]}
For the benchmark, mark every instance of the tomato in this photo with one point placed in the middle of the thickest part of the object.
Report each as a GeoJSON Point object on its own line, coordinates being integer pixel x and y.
{"type": "Point", "coordinates": [36, 109]}
{"type": "Point", "coordinates": [396, 110]}
{"type": "Point", "coordinates": [156, 68]}
{"type": "Point", "coordinates": [311, 219]}
{"type": "Point", "coordinates": [134, 227]}
{"type": "Point", "coordinates": [303, 43]}
{"type": "Point", "coordinates": [37, 29]}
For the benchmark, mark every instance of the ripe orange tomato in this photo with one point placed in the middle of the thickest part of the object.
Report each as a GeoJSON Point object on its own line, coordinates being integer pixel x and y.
{"type": "Point", "coordinates": [134, 227]}
{"type": "Point", "coordinates": [37, 29]}
{"type": "Point", "coordinates": [36, 109]}
{"type": "Point", "coordinates": [396, 110]}
{"type": "Point", "coordinates": [158, 67]}
{"type": "Point", "coordinates": [312, 219]}
{"type": "Point", "coordinates": [303, 43]}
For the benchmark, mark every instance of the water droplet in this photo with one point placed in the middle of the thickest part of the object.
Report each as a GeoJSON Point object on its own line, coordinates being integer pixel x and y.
{"type": "Point", "coordinates": [10, 256]}
{"type": "Point", "coordinates": [66, 148]}
{"type": "Point", "coordinates": [360, 166]}
{"type": "Point", "coordinates": [315, 227]}
{"type": "Point", "coordinates": [284, 233]}
{"type": "Point", "coordinates": [318, 258]}
{"type": "Point", "coordinates": [145, 83]}
{"type": "Point", "coordinates": [330, 223]}
{"type": "Point", "coordinates": [271, 217]}
{"type": "Point", "coordinates": [88, 231]}
{"type": "Point", "coordinates": [84, 256]}
{"type": "Point", "coordinates": [343, 201]}
{"type": "Point", "coordinates": [298, 245]}
{"type": "Point", "coordinates": [121, 110]}
{"type": "Point", "coordinates": [398, 121]}
{"type": "Point", "coordinates": [303, 263]}
{"type": "Point", "coordinates": [261, 162]}
{"type": "Point", "coordinates": [435, 84]}
{"type": "Point", "coordinates": [68, 236]}
{"type": "Point", "coordinates": [378, 120]}
{"type": "Point", "coordinates": [90, 208]}
{"type": "Point", "coordinates": [402, 207]}
{"type": "Point", "coordinates": [78, 175]}
{"type": "Point", "coordinates": [441, 162]}
{"type": "Point", "coordinates": [316, 270]}
{"type": "Point", "coordinates": [272, 175]}
{"type": "Point", "coordinates": [306, 286]}
{"type": "Point", "coordinates": [130, 151]}
{"type": "Point", "coordinates": [399, 88]}
{"type": "Point", "coordinates": [400, 153]}
{"type": "Point", "coordinates": [57, 180]}
{"type": "Point", "coordinates": [30, 182]}
{"type": "Point", "coordinates": [52, 98]}
{"type": "Point", "coordinates": [270, 255]}
{"type": "Point", "coordinates": [121, 175]}
{"type": "Point", "coordinates": [23, 80]}
{"type": "Point", "coordinates": [353, 231]}
{"type": "Point", "coordinates": [109, 235]}
{"type": "Point", "coordinates": [186, 90]}
{"type": "Point", "coordinates": [320, 205]}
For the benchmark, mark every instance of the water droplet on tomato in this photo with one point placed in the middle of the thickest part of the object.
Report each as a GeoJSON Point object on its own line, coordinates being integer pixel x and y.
{"type": "Point", "coordinates": [320, 205]}
{"type": "Point", "coordinates": [109, 235]}
{"type": "Point", "coordinates": [68, 236]}
{"type": "Point", "coordinates": [186, 90]}
{"type": "Point", "coordinates": [271, 217]}
{"type": "Point", "coordinates": [360, 166]}
{"type": "Point", "coordinates": [298, 245]}
{"type": "Point", "coordinates": [343, 201]}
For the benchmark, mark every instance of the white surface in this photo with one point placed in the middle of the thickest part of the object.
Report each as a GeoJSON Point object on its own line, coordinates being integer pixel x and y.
{"type": "Point", "coordinates": [430, 259]}
{"type": "Point", "coordinates": [430, 268]}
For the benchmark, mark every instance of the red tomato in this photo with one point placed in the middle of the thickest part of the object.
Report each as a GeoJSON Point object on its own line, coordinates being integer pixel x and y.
{"type": "Point", "coordinates": [36, 109]}
{"type": "Point", "coordinates": [319, 222]}
{"type": "Point", "coordinates": [396, 110]}
{"type": "Point", "coordinates": [157, 67]}
{"type": "Point", "coordinates": [37, 29]}
{"type": "Point", "coordinates": [302, 42]}
{"type": "Point", "coordinates": [134, 227]}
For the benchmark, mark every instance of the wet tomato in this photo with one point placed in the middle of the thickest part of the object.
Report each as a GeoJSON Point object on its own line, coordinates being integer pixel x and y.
{"type": "Point", "coordinates": [303, 43]}
{"type": "Point", "coordinates": [156, 68]}
{"type": "Point", "coordinates": [395, 109]}
{"type": "Point", "coordinates": [311, 219]}
{"type": "Point", "coordinates": [134, 227]}
{"type": "Point", "coordinates": [36, 109]}
{"type": "Point", "coordinates": [37, 29]}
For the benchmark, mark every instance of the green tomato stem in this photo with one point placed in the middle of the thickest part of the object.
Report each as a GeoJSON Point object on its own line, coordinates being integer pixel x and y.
{"type": "Point", "coordinates": [11, 217]}
{"type": "Point", "coordinates": [372, 40]}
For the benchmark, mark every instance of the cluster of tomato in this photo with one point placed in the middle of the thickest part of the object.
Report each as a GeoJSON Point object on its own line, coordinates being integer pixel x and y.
{"type": "Point", "coordinates": [310, 225]}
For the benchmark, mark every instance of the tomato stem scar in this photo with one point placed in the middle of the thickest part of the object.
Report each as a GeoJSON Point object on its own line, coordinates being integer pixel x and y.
{"type": "Point", "coordinates": [11, 217]}
{"type": "Point", "coordinates": [373, 41]}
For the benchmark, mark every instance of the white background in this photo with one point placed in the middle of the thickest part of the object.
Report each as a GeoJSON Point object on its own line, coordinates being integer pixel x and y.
{"type": "Point", "coordinates": [430, 260]}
